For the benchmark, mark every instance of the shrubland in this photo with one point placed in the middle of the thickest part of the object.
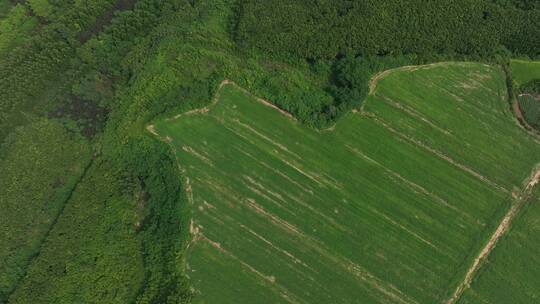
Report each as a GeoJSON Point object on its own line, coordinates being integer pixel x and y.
{"type": "Point", "coordinates": [41, 164]}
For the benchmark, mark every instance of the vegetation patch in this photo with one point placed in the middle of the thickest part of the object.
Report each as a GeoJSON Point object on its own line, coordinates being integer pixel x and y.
{"type": "Point", "coordinates": [530, 107]}
{"type": "Point", "coordinates": [41, 164]}
{"type": "Point", "coordinates": [526, 76]}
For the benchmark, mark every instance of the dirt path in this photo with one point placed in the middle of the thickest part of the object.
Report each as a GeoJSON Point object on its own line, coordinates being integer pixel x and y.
{"type": "Point", "coordinates": [521, 122]}
{"type": "Point", "coordinates": [517, 111]}
{"type": "Point", "coordinates": [518, 203]}
{"type": "Point", "coordinates": [375, 79]}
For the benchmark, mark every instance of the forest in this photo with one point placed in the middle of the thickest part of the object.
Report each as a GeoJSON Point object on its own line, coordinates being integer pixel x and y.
{"type": "Point", "coordinates": [328, 29]}
{"type": "Point", "coordinates": [104, 220]}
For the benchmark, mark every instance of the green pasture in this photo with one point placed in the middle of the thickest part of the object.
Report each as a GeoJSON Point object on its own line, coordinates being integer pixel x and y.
{"type": "Point", "coordinates": [388, 206]}
{"type": "Point", "coordinates": [511, 274]}
{"type": "Point", "coordinates": [524, 71]}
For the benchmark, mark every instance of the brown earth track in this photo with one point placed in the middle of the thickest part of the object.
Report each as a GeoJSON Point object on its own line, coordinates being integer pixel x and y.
{"type": "Point", "coordinates": [521, 120]}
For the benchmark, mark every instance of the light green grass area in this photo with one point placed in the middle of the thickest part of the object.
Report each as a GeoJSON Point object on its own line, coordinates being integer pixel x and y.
{"type": "Point", "coordinates": [524, 71]}
{"type": "Point", "coordinates": [390, 206]}
{"type": "Point", "coordinates": [511, 274]}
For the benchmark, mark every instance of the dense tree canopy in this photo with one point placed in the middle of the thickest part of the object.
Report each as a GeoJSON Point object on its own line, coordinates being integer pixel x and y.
{"type": "Point", "coordinates": [327, 28]}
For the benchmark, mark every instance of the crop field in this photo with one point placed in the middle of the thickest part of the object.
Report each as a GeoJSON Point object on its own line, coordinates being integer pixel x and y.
{"type": "Point", "coordinates": [391, 205]}
{"type": "Point", "coordinates": [511, 274]}
{"type": "Point", "coordinates": [524, 71]}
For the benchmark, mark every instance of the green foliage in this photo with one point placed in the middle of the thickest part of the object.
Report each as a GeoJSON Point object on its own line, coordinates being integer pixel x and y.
{"type": "Point", "coordinates": [40, 164]}
{"type": "Point", "coordinates": [34, 72]}
{"type": "Point", "coordinates": [369, 35]}
{"type": "Point", "coordinates": [349, 81]}
{"type": "Point", "coordinates": [92, 254]}
{"type": "Point", "coordinates": [329, 28]}
{"type": "Point", "coordinates": [152, 168]}
{"type": "Point", "coordinates": [42, 8]}
{"type": "Point", "coordinates": [15, 28]}
{"type": "Point", "coordinates": [532, 87]}
{"type": "Point", "coordinates": [530, 107]}
{"type": "Point", "coordinates": [5, 6]}
{"type": "Point", "coordinates": [130, 245]}
{"type": "Point", "coordinates": [526, 76]}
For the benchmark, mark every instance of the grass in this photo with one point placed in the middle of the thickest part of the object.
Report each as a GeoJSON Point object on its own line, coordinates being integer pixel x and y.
{"type": "Point", "coordinates": [524, 71]}
{"type": "Point", "coordinates": [389, 207]}
{"type": "Point", "coordinates": [510, 275]}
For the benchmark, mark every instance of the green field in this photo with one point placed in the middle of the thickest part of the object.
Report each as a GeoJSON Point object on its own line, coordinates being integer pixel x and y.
{"type": "Point", "coordinates": [389, 206]}
{"type": "Point", "coordinates": [511, 274]}
{"type": "Point", "coordinates": [524, 71]}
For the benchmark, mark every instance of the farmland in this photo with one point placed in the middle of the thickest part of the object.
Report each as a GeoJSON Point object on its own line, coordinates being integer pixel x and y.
{"type": "Point", "coordinates": [390, 205]}
{"type": "Point", "coordinates": [524, 71]}
{"type": "Point", "coordinates": [509, 276]}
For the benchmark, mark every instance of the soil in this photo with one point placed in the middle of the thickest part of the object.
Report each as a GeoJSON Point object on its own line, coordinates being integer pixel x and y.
{"type": "Point", "coordinates": [89, 116]}
{"type": "Point", "coordinates": [522, 121]}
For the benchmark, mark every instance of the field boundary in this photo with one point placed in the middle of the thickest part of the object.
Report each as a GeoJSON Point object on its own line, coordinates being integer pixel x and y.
{"type": "Point", "coordinates": [410, 68]}
{"type": "Point", "coordinates": [518, 115]}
